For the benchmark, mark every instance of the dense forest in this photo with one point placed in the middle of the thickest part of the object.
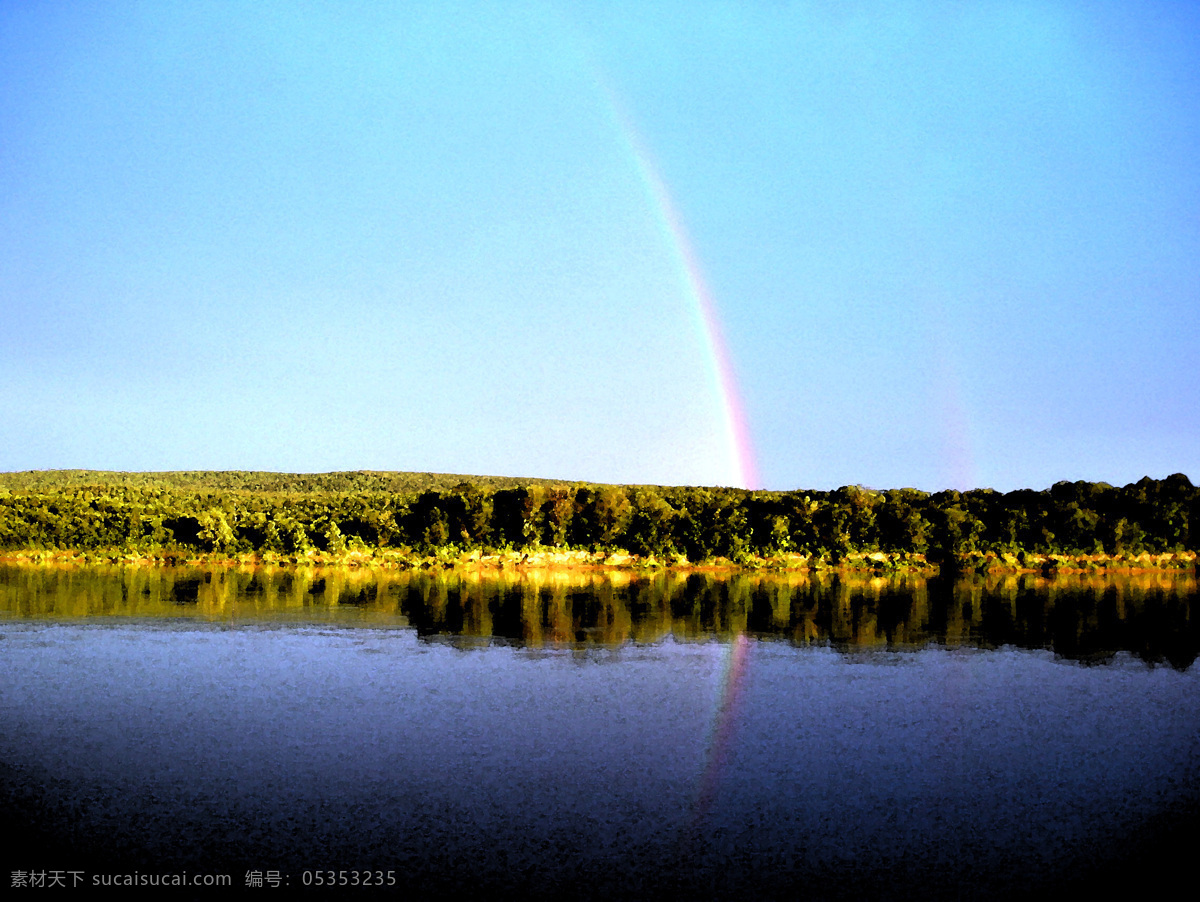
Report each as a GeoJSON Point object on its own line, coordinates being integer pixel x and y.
{"type": "Point", "coordinates": [403, 516]}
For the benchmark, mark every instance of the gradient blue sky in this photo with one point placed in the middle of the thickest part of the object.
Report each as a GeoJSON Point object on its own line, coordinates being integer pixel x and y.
{"type": "Point", "coordinates": [949, 244]}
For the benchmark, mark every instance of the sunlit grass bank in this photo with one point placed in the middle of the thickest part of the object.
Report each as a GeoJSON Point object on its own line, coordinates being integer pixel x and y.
{"type": "Point", "coordinates": [448, 558]}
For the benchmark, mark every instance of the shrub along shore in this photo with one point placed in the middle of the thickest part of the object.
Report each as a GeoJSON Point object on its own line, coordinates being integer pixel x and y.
{"type": "Point", "coordinates": [422, 520]}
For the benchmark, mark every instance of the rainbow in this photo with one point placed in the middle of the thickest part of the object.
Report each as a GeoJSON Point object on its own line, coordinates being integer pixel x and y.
{"type": "Point", "coordinates": [719, 366]}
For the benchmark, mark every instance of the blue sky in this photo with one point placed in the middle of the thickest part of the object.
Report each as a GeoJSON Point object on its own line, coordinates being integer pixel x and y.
{"type": "Point", "coordinates": [946, 244]}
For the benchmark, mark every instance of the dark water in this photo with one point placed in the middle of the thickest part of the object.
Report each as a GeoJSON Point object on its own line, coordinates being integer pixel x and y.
{"type": "Point", "coordinates": [585, 737]}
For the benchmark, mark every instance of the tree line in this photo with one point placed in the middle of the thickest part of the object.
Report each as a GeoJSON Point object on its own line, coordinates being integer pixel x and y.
{"type": "Point", "coordinates": [290, 514]}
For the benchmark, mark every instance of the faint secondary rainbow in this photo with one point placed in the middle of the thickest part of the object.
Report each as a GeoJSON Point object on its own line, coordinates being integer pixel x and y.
{"type": "Point", "coordinates": [719, 366]}
{"type": "Point", "coordinates": [958, 468]}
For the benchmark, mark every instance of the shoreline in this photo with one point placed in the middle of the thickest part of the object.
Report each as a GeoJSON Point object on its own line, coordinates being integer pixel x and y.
{"type": "Point", "coordinates": [478, 560]}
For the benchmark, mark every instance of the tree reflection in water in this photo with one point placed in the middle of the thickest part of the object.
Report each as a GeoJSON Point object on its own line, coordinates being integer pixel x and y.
{"type": "Point", "coordinates": [1081, 617]}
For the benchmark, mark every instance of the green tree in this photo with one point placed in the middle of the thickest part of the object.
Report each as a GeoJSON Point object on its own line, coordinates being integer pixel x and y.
{"type": "Point", "coordinates": [215, 534]}
{"type": "Point", "coordinates": [513, 517]}
{"type": "Point", "coordinates": [651, 525]}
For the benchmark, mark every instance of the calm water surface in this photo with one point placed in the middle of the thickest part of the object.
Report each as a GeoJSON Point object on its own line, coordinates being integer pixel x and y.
{"type": "Point", "coordinates": [590, 736]}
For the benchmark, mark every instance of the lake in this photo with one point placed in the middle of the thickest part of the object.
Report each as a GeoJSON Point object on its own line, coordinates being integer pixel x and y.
{"type": "Point", "coordinates": [587, 735]}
